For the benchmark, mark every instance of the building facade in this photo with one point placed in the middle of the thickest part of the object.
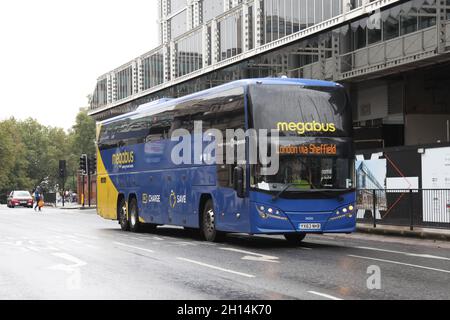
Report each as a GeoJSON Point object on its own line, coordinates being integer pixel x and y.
{"type": "Point", "coordinates": [391, 55]}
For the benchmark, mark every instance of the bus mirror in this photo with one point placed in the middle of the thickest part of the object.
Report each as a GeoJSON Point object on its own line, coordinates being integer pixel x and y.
{"type": "Point", "coordinates": [238, 181]}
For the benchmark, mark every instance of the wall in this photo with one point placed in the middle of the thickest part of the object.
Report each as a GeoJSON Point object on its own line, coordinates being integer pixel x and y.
{"type": "Point", "coordinates": [426, 128]}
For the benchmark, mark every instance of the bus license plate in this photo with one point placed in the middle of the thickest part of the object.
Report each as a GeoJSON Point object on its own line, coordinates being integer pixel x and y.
{"type": "Point", "coordinates": [310, 226]}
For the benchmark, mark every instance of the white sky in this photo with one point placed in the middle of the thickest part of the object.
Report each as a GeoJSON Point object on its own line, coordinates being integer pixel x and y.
{"type": "Point", "coordinates": [52, 51]}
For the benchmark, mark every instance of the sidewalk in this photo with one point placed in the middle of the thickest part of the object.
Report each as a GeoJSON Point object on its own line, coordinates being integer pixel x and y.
{"type": "Point", "coordinates": [75, 206]}
{"type": "Point", "coordinates": [418, 232]}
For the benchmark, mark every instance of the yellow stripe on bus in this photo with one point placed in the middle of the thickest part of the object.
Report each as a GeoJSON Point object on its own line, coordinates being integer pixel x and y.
{"type": "Point", "coordinates": [107, 193]}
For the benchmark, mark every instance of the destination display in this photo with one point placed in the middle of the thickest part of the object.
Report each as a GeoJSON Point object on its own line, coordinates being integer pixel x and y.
{"type": "Point", "coordinates": [309, 149]}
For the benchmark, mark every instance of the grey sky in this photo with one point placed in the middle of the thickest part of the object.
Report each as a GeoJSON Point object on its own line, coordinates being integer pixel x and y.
{"type": "Point", "coordinates": [52, 52]}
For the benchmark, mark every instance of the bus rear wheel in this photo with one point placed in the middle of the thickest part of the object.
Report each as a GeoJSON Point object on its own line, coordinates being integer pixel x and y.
{"type": "Point", "coordinates": [295, 238]}
{"type": "Point", "coordinates": [135, 225]}
{"type": "Point", "coordinates": [208, 224]}
{"type": "Point", "coordinates": [123, 218]}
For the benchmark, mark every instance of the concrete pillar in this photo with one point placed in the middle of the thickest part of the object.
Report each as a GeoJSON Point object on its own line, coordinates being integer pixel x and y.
{"type": "Point", "coordinates": [245, 27]}
{"type": "Point", "coordinates": [173, 60]}
{"type": "Point", "coordinates": [134, 77]}
{"type": "Point", "coordinates": [441, 25]}
{"type": "Point", "coordinates": [258, 22]}
{"type": "Point", "coordinates": [167, 61]}
{"type": "Point", "coordinates": [113, 87]}
{"type": "Point", "coordinates": [140, 75]}
{"type": "Point", "coordinates": [215, 42]}
{"type": "Point", "coordinates": [205, 48]}
{"type": "Point", "coordinates": [226, 5]}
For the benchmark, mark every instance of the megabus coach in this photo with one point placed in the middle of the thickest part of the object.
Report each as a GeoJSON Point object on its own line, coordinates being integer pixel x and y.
{"type": "Point", "coordinates": [311, 192]}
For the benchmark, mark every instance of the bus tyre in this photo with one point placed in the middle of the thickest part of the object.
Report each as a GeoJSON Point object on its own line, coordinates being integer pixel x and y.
{"type": "Point", "coordinates": [123, 219]}
{"type": "Point", "coordinates": [295, 238]}
{"type": "Point", "coordinates": [135, 225]}
{"type": "Point", "coordinates": [208, 225]}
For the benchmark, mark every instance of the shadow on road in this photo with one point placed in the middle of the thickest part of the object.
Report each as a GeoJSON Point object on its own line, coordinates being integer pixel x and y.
{"type": "Point", "coordinates": [242, 241]}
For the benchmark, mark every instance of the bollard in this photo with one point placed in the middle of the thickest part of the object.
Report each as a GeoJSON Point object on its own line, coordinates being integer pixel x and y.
{"type": "Point", "coordinates": [411, 213]}
{"type": "Point", "coordinates": [374, 206]}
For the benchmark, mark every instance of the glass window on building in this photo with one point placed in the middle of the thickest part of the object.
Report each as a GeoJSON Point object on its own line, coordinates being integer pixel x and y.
{"type": "Point", "coordinates": [408, 20]}
{"type": "Point", "coordinates": [318, 11]}
{"type": "Point", "coordinates": [211, 9]}
{"type": "Point", "coordinates": [230, 29]}
{"type": "Point", "coordinates": [391, 24]}
{"type": "Point", "coordinates": [189, 55]}
{"type": "Point", "coordinates": [153, 70]}
{"type": "Point", "coordinates": [124, 83]}
{"type": "Point", "coordinates": [374, 34]}
{"type": "Point", "coordinates": [178, 25]}
{"type": "Point", "coordinates": [303, 14]}
{"type": "Point", "coordinates": [310, 12]}
{"type": "Point", "coordinates": [176, 5]}
{"type": "Point", "coordinates": [359, 30]}
{"type": "Point", "coordinates": [427, 13]}
{"type": "Point", "coordinates": [336, 7]}
{"type": "Point", "coordinates": [100, 94]}
{"type": "Point", "coordinates": [327, 10]}
{"type": "Point", "coordinates": [295, 15]}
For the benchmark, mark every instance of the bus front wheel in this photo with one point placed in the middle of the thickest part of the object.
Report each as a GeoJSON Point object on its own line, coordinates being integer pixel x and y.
{"type": "Point", "coordinates": [123, 219]}
{"type": "Point", "coordinates": [208, 226]}
{"type": "Point", "coordinates": [295, 238]}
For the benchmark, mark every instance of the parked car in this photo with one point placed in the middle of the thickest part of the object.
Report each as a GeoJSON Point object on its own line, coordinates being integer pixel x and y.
{"type": "Point", "coordinates": [19, 198]}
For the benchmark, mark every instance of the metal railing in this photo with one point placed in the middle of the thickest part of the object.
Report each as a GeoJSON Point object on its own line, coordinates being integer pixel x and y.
{"type": "Point", "coordinates": [404, 207]}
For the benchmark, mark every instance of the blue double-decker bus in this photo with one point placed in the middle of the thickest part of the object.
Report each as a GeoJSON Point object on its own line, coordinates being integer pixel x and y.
{"type": "Point", "coordinates": [308, 127]}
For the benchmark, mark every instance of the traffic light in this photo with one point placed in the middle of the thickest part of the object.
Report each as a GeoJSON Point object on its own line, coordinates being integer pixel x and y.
{"type": "Point", "coordinates": [62, 169]}
{"type": "Point", "coordinates": [92, 164]}
{"type": "Point", "coordinates": [83, 164]}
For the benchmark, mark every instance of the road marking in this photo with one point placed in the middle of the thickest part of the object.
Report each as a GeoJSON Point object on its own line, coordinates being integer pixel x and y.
{"type": "Point", "coordinates": [217, 268]}
{"type": "Point", "coordinates": [400, 263]}
{"type": "Point", "coordinates": [77, 262]}
{"type": "Point", "coordinates": [254, 256]}
{"type": "Point", "coordinates": [73, 281]}
{"type": "Point", "coordinates": [183, 243]}
{"type": "Point", "coordinates": [405, 253]}
{"type": "Point", "coordinates": [133, 247]}
{"type": "Point", "coordinates": [324, 295]}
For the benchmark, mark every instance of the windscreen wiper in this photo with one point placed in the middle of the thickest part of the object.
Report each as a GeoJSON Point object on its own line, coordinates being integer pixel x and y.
{"type": "Point", "coordinates": [279, 193]}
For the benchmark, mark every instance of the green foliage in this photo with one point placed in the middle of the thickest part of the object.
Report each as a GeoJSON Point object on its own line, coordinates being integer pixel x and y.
{"type": "Point", "coordinates": [30, 152]}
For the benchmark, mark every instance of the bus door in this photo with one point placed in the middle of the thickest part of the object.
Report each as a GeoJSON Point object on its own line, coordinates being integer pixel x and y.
{"type": "Point", "coordinates": [233, 210]}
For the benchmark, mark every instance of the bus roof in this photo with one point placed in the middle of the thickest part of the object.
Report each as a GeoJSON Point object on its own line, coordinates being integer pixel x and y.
{"type": "Point", "coordinates": [167, 102]}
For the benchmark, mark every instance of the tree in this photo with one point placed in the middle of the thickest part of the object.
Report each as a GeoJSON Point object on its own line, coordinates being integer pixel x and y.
{"type": "Point", "coordinates": [84, 134]}
{"type": "Point", "coordinates": [30, 153]}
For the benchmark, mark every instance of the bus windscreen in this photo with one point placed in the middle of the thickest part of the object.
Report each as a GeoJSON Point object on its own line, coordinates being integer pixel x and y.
{"type": "Point", "coordinates": [296, 110]}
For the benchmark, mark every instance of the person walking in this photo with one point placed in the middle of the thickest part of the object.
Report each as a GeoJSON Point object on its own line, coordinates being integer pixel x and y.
{"type": "Point", "coordinates": [37, 198]}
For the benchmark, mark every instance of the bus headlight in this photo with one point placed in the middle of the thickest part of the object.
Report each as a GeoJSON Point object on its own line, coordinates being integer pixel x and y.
{"type": "Point", "coordinates": [344, 211]}
{"type": "Point", "coordinates": [266, 212]}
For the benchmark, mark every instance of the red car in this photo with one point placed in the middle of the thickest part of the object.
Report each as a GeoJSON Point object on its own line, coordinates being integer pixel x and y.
{"type": "Point", "coordinates": [19, 198]}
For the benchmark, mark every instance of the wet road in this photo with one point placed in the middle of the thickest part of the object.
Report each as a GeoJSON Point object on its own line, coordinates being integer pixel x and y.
{"type": "Point", "coordinates": [73, 254]}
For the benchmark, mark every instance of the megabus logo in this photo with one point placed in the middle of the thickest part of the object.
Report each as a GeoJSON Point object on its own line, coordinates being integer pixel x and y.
{"type": "Point", "coordinates": [123, 160]}
{"type": "Point", "coordinates": [302, 127]}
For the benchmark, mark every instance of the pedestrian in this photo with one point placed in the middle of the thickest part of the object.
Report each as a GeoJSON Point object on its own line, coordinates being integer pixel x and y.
{"type": "Point", "coordinates": [41, 201]}
{"type": "Point", "coordinates": [37, 198]}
